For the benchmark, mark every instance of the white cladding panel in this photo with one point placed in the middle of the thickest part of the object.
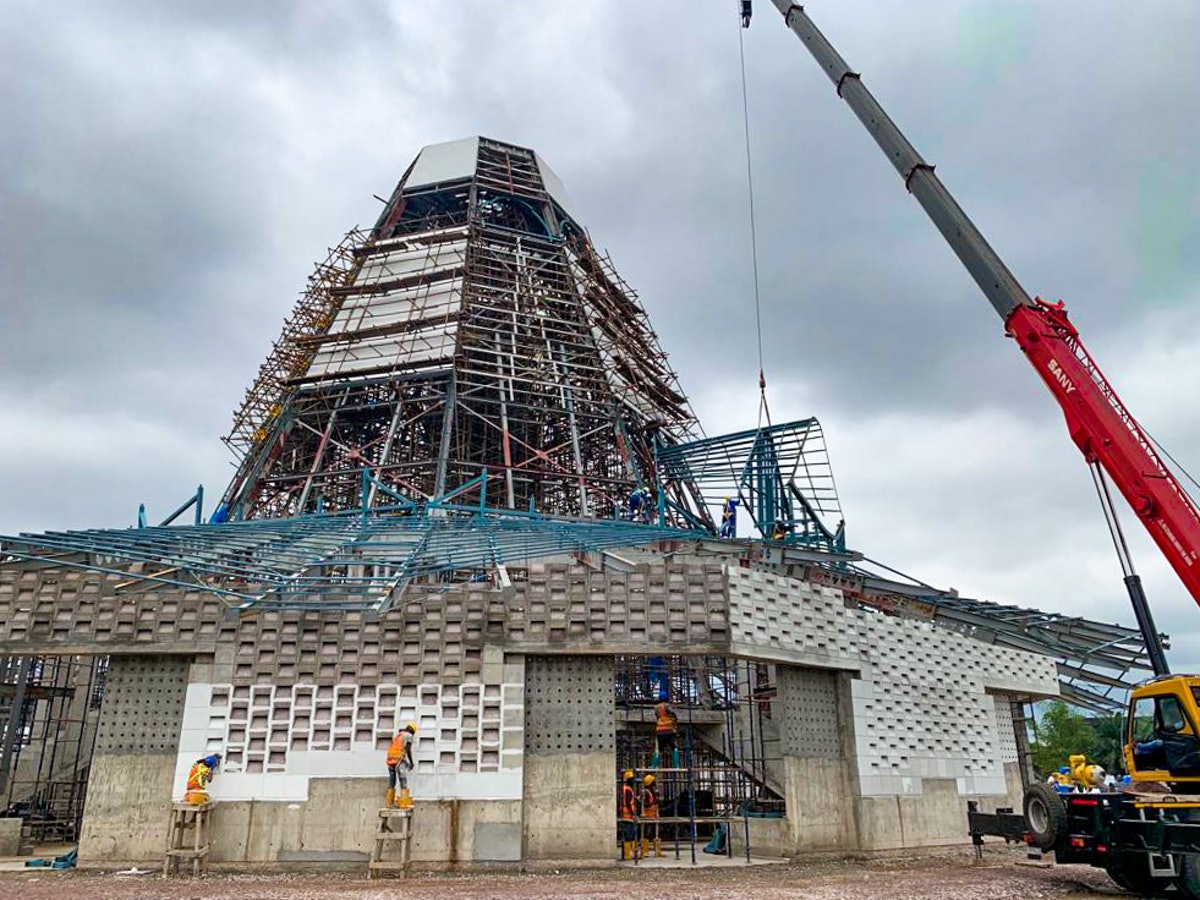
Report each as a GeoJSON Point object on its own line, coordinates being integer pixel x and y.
{"type": "Point", "coordinates": [445, 162]}
{"type": "Point", "coordinates": [406, 260]}
{"type": "Point", "coordinates": [429, 345]}
{"type": "Point", "coordinates": [555, 187]}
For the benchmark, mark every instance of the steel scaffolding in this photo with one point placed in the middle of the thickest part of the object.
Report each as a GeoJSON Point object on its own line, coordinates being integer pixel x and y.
{"type": "Point", "coordinates": [49, 709]}
{"type": "Point", "coordinates": [475, 328]}
{"type": "Point", "coordinates": [727, 742]}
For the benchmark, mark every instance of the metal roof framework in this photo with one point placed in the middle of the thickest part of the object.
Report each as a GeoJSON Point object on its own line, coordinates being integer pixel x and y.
{"type": "Point", "coordinates": [779, 473]}
{"type": "Point", "coordinates": [346, 561]}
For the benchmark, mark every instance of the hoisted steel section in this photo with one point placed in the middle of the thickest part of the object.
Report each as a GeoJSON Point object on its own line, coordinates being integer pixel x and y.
{"type": "Point", "coordinates": [780, 472]}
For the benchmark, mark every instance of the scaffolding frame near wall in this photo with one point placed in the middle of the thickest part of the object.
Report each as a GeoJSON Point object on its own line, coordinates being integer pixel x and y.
{"type": "Point", "coordinates": [49, 709]}
{"type": "Point", "coordinates": [723, 782]}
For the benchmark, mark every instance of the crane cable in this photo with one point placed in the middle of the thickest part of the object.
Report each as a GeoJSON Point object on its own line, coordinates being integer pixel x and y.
{"type": "Point", "coordinates": [763, 409]}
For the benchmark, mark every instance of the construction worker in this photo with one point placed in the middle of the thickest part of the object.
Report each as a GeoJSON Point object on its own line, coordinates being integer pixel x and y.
{"type": "Point", "coordinates": [399, 764]}
{"type": "Point", "coordinates": [650, 811]}
{"type": "Point", "coordinates": [199, 776]}
{"type": "Point", "coordinates": [729, 518]}
{"type": "Point", "coordinates": [666, 724]}
{"type": "Point", "coordinates": [781, 529]}
{"type": "Point", "coordinates": [639, 505]}
{"type": "Point", "coordinates": [626, 815]}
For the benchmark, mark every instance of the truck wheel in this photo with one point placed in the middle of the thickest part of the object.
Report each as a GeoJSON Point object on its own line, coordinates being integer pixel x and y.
{"type": "Point", "coordinates": [1188, 881]}
{"type": "Point", "coordinates": [1131, 870]}
{"type": "Point", "coordinates": [1046, 816]}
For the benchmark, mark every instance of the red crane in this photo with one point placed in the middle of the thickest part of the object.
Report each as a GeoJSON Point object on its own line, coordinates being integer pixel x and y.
{"type": "Point", "coordinates": [1102, 428]}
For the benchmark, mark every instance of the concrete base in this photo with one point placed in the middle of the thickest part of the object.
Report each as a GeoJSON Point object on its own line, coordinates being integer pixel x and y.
{"type": "Point", "coordinates": [819, 805]}
{"type": "Point", "coordinates": [335, 828]}
{"type": "Point", "coordinates": [10, 837]}
{"type": "Point", "coordinates": [125, 816]}
{"type": "Point", "coordinates": [769, 838]}
{"type": "Point", "coordinates": [570, 806]}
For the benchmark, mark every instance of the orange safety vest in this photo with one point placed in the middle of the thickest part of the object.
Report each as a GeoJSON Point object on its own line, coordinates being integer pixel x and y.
{"type": "Point", "coordinates": [649, 803]}
{"type": "Point", "coordinates": [628, 801]}
{"type": "Point", "coordinates": [399, 744]}
{"type": "Point", "coordinates": [666, 719]}
{"type": "Point", "coordinates": [198, 777]}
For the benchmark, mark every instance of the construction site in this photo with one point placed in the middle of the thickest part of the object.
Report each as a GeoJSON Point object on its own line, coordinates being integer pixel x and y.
{"type": "Point", "coordinates": [481, 590]}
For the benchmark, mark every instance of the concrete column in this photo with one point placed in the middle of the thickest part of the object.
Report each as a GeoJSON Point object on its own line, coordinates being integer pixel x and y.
{"type": "Point", "coordinates": [570, 758]}
{"type": "Point", "coordinates": [818, 773]}
{"type": "Point", "coordinates": [133, 768]}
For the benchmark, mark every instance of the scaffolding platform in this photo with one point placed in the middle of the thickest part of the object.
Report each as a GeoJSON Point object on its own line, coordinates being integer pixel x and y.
{"type": "Point", "coordinates": [194, 819]}
{"type": "Point", "coordinates": [394, 825]}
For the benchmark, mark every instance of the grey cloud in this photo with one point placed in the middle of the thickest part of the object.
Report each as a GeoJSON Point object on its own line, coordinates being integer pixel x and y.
{"type": "Point", "coordinates": [171, 171]}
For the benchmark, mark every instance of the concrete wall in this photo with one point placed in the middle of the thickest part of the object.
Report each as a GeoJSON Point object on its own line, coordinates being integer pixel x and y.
{"type": "Point", "coordinates": [336, 825]}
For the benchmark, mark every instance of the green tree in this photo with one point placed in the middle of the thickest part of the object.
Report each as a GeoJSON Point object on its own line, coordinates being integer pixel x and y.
{"type": "Point", "coordinates": [1110, 740]}
{"type": "Point", "coordinates": [1059, 733]}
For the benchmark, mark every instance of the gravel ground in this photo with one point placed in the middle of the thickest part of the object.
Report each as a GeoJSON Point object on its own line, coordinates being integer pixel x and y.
{"type": "Point", "coordinates": [946, 875]}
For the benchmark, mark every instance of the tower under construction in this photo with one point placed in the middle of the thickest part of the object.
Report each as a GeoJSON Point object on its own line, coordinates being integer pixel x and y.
{"type": "Point", "coordinates": [471, 495]}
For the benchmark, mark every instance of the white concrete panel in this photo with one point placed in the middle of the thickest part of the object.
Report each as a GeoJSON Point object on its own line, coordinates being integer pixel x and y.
{"type": "Point", "coordinates": [444, 162]}
{"type": "Point", "coordinates": [344, 732]}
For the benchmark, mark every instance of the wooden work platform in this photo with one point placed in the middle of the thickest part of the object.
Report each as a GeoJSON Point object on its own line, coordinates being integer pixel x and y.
{"type": "Point", "coordinates": [395, 830]}
{"type": "Point", "coordinates": [188, 820]}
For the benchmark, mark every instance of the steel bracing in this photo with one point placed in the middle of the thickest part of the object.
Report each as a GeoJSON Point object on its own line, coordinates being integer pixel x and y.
{"type": "Point", "coordinates": [474, 327]}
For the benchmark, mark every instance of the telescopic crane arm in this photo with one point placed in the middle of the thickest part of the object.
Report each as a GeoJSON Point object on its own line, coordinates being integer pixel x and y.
{"type": "Point", "coordinates": [1102, 428]}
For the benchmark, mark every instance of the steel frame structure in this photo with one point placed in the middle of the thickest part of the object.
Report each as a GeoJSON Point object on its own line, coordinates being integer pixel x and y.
{"type": "Point", "coordinates": [475, 327]}
{"type": "Point", "coordinates": [337, 561]}
{"type": "Point", "coordinates": [781, 473]}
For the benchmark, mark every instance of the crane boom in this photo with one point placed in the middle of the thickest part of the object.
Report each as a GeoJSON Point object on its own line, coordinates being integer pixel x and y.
{"type": "Point", "coordinates": [1099, 423]}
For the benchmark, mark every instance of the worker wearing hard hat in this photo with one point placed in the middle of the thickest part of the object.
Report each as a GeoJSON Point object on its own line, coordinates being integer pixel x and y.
{"type": "Point", "coordinates": [399, 764]}
{"type": "Point", "coordinates": [666, 724]}
{"type": "Point", "coordinates": [199, 776]}
{"type": "Point", "coordinates": [650, 811]}
{"type": "Point", "coordinates": [627, 813]}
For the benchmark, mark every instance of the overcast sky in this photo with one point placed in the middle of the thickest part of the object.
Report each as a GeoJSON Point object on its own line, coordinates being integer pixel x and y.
{"type": "Point", "coordinates": [169, 173]}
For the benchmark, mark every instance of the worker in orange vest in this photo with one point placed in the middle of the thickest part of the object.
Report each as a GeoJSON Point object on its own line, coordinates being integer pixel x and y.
{"type": "Point", "coordinates": [627, 813]}
{"type": "Point", "coordinates": [650, 811]}
{"type": "Point", "coordinates": [666, 723]}
{"type": "Point", "coordinates": [399, 764]}
{"type": "Point", "coordinates": [199, 776]}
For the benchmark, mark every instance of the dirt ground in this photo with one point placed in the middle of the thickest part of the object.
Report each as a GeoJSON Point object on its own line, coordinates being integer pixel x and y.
{"type": "Point", "coordinates": [931, 877]}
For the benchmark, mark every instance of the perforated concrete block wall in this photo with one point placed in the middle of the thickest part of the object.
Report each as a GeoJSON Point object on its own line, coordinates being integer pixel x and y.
{"type": "Point", "coordinates": [807, 712]}
{"type": "Point", "coordinates": [277, 737]}
{"type": "Point", "coordinates": [435, 636]}
{"type": "Point", "coordinates": [921, 704]}
{"type": "Point", "coordinates": [568, 704]}
{"type": "Point", "coordinates": [680, 604]}
{"type": "Point", "coordinates": [143, 705]}
{"type": "Point", "coordinates": [1006, 727]}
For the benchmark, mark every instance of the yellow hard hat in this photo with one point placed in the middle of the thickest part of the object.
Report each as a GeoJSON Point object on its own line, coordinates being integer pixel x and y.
{"type": "Point", "coordinates": [411, 726]}
{"type": "Point", "coordinates": [648, 780]}
{"type": "Point", "coordinates": [628, 774]}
